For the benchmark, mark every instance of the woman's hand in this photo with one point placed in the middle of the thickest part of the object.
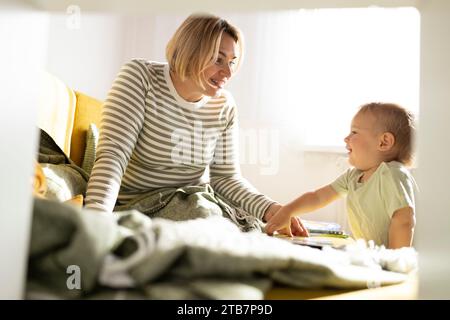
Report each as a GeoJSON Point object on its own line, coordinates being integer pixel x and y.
{"type": "Point", "coordinates": [281, 221]}
{"type": "Point", "coordinates": [270, 212]}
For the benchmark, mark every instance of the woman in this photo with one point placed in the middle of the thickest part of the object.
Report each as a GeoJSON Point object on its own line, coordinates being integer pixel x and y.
{"type": "Point", "coordinates": [165, 124]}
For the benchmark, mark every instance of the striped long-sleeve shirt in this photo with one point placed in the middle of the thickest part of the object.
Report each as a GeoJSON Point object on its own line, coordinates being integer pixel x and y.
{"type": "Point", "coordinates": [152, 138]}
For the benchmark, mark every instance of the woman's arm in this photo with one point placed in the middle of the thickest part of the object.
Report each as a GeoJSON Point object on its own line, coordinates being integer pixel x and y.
{"type": "Point", "coordinates": [307, 202]}
{"type": "Point", "coordinates": [271, 211]}
{"type": "Point", "coordinates": [225, 174]}
{"type": "Point", "coordinates": [122, 120]}
{"type": "Point", "coordinates": [401, 229]}
{"type": "Point", "coordinates": [297, 228]}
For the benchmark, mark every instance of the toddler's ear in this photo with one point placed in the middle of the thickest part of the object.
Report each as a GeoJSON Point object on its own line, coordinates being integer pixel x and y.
{"type": "Point", "coordinates": [387, 141]}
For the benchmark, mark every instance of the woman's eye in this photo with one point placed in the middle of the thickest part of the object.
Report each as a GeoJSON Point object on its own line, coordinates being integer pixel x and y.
{"type": "Point", "coordinates": [219, 61]}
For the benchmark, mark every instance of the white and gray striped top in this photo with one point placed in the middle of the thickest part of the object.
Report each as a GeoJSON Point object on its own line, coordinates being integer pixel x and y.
{"type": "Point", "coordinates": [152, 138]}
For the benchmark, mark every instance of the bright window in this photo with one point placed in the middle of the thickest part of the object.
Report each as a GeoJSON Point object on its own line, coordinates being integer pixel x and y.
{"type": "Point", "coordinates": [352, 57]}
{"type": "Point", "coordinates": [312, 69]}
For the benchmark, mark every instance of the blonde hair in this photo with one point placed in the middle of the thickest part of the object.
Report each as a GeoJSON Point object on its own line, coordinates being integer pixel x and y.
{"type": "Point", "coordinates": [397, 120]}
{"type": "Point", "coordinates": [195, 45]}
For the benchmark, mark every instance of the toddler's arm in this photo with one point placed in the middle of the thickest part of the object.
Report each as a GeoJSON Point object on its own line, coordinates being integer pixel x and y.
{"type": "Point", "coordinates": [307, 202]}
{"type": "Point", "coordinates": [401, 229]}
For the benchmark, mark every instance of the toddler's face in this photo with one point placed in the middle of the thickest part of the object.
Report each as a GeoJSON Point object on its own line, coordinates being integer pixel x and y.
{"type": "Point", "coordinates": [363, 141]}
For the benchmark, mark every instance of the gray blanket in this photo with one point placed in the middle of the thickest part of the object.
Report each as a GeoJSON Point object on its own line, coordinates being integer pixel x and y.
{"type": "Point", "coordinates": [129, 255]}
{"type": "Point", "coordinates": [191, 202]}
{"type": "Point", "coordinates": [49, 152]}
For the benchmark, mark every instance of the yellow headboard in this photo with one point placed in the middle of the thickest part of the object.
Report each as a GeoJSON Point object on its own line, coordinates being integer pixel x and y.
{"type": "Point", "coordinates": [66, 115]}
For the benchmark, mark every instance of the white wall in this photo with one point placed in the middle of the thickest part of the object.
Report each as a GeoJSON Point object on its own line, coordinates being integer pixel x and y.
{"type": "Point", "coordinates": [146, 36]}
{"type": "Point", "coordinates": [22, 56]}
{"type": "Point", "coordinates": [433, 213]}
{"type": "Point", "coordinates": [86, 53]}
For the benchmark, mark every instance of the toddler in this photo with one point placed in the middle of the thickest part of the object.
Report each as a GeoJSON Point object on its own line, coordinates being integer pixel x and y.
{"type": "Point", "coordinates": [380, 190]}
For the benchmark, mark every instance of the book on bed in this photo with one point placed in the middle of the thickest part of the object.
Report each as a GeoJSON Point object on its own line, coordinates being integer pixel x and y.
{"type": "Point", "coordinates": [324, 229]}
{"type": "Point", "coordinates": [321, 234]}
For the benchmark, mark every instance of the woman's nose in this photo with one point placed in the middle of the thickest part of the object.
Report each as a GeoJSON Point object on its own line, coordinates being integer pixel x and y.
{"type": "Point", "coordinates": [346, 139]}
{"type": "Point", "coordinates": [227, 71]}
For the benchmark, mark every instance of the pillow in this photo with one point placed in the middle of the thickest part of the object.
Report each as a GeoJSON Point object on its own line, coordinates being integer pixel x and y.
{"type": "Point", "coordinates": [88, 111]}
{"type": "Point", "coordinates": [63, 182]}
{"type": "Point", "coordinates": [56, 110]}
{"type": "Point", "coordinates": [91, 148]}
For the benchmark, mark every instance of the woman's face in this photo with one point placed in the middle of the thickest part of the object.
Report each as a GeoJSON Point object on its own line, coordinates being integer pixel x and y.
{"type": "Point", "coordinates": [217, 75]}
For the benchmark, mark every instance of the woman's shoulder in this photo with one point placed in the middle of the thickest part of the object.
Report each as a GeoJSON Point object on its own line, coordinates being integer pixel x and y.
{"type": "Point", "coordinates": [144, 71]}
{"type": "Point", "coordinates": [146, 65]}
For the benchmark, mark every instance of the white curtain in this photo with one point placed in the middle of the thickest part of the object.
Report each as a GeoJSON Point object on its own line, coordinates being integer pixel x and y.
{"type": "Point", "coordinates": [309, 70]}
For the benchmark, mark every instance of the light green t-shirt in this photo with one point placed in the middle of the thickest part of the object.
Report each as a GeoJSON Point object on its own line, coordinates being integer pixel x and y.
{"type": "Point", "coordinates": [371, 204]}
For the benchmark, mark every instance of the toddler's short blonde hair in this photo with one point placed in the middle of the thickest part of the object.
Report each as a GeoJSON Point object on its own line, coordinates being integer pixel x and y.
{"type": "Point", "coordinates": [195, 45]}
{"type": "Point", "coordinates": [398, 121]}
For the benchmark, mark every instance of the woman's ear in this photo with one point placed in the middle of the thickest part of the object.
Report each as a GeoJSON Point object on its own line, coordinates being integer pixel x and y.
{"type": "Point", "coordinates": [387, 141]}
